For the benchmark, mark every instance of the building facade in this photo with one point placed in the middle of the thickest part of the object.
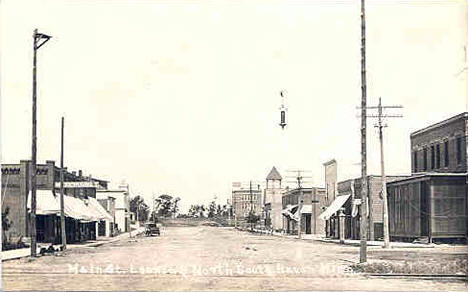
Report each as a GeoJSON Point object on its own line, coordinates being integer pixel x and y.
{"type": "Point", "coordinates": [349, 196]}
{"type": "Point", "coordinates": [441, 147]}
{"type": "Point", "coordinates": [79, 202]}
{"type": "Point", "coordinates": [273, 205]}
{"type": "Point", "coordinates": [331, 180]}
{"type": "Point", "coordinates": [314, 200]}
{"type": "Point", "coordinates": [121, 207]}
{"type": "Point", "coordinates": [107, 228]}
{"type": "Point", "coordinates": [432, 203]}
{"type": "Point", "coordinates": [246, 200]}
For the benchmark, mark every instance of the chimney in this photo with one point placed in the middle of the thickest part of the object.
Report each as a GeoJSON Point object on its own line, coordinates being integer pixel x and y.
{"type": "Point", "coordinates": [80, 173]}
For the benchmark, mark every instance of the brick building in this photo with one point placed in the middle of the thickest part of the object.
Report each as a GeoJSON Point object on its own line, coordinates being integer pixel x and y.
{"type": "Point", "coordinates": [331, 180]}
{"type": "Point", "coordinates": [432, 203]}
{"type": "Point", "coordinates": [246, 199]}
{"type": "Point", "coordinates": [348, 198]}
{"type": "Point", "coordinates": [81, 213]}
{"type": "Point", "coordinates": [441, 147]}
{"type": "Point", "coordinates": [314, 200]}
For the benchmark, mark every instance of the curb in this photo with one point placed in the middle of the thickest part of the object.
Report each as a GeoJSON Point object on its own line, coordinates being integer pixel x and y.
{"type": "Point", "coordinates": [421, 276]}
{"type": "Point", "coordinates": [93, 244]}
{"type": "Point", "coordinates": [356, 244]}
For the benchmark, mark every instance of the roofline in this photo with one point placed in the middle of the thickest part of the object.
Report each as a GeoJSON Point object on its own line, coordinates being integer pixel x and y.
{"type": "Point", "coordinates": [277, 172]}
{"type": "Point", "coordinates": [439, 124]}
{"type": "Point", "coordinates": [305, 189]}
{"type": "Point", "coordinates": [329, 162]}
{"type": "Point", "coordinates": [430, 174]}
{"type": "Point", "coordinates": [375, 175]}
{"type": "Point", "coordinates": [111, 191]}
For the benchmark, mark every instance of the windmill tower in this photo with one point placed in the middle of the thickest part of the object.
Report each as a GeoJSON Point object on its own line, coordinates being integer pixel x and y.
{"type": "Point", "coordinates": [273, 200]}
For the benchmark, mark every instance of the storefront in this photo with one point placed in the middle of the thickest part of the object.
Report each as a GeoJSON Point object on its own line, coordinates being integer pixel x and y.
{"type": "Point", "coordinates": [81, 216]}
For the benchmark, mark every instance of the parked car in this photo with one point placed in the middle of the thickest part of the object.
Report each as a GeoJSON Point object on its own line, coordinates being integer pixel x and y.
{"type": "Point", "coordinates": [152, 229]}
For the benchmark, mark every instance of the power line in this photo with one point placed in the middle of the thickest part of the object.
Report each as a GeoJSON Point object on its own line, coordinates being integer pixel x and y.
{"type": "Point", "coordinates": [380, 125]}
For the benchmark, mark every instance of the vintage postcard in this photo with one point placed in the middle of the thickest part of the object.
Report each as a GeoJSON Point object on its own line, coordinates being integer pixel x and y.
{"type": "Point", "coordinates": [234, 145]}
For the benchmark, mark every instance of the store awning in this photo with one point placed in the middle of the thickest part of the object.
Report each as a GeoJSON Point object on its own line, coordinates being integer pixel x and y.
{"type": "Point", "coordinates": [49, 204]}
{"type": "Point", "coordinates": [291, 211]}
{"type": "Point", "coordinates": [46, 203]}
{"type": "Point", "coordinates": [77, 209]}
{"type": "Point", "coordinates": [334, 207]}
{"type": "Point", "coordinates": [103, 214]}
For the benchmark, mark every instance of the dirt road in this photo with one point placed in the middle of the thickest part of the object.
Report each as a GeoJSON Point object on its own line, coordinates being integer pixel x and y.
{"type": "Point", "coordinates": [205, 258]}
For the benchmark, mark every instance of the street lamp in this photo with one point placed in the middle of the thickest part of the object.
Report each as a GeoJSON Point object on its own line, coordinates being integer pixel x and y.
{"type": "Point", "coordinates": [39, 40]}
{"type": "Point", "coordinates": [283, 110]}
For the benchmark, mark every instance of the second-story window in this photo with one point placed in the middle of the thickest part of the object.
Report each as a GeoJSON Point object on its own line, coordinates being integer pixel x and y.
{"type": "Point", "coordinates": [437, 156]}
{"type": "Point", "coordinates": [446, 153]}
{"type": "Point", "coordinates": [425, 159]}
{"type": "Point", "coordinates": [459, 150]}
{"type": "Point", "coordinates": [415, 161]}
{"type": "Point", "coordinates": [432, 157]}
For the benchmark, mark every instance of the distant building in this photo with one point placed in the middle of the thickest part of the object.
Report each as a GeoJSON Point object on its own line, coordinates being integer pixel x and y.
{"type": "Point", "coordinates": [121, 207]}
{"type": "Point", "coordinates": [314, 200]}
{"type": "Point", "coordinates": [331, 179]}
{"type": "Point", "coordinates": [246, 200]}
{"type": "Point", "coordinates": [273, 205]}
{"type": "Point", "coordinates": [432, 203]}
{"type": "Point", "coordinates": [108, 227]}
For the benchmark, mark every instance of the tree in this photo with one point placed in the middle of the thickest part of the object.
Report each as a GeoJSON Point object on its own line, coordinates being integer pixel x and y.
{"type": "Point", "coordinates": [252, 219]}
{"type": "Point", "coordinates": [201, 211]}
{"type": "Point", "coordinates": [212, 209]}
{"type": "Point", "coordinates": [192, 211]}
{"type": "Point", "coordinates": [166, 205]}
{"type": "Point", "coordinates": [139, 207]}
{"type": "Point", "coordinates": [175, 207]}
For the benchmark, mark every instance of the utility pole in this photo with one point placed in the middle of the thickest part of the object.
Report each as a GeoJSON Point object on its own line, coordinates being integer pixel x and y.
{"type": "Point", "coordinates": [299, 179]}
{"type": "Point", "coordinates": [251, 206]}
{"type": "Point", "coordinates": [380, 115]}
{"type": "Point", "coordinates": [299, 207]}
{"type": "Point", "coordinates": [138, 205]}
{"type": "Point", "coordinates": [153, 215]}
{"type": "Point", "coordinates": [129, 223]}
{"type": "Point", "coordinates": [363, 227]}
{"type": "Point", "coordinates": [37, 38]}
{"type": "Point", "coordinates": [314, 204]}
{"type": "Point", "coordinates": [62, 211]}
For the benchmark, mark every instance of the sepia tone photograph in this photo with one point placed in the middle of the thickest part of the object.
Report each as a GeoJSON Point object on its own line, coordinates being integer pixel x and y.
{"type": "Point", "coordinates": [234, 145]}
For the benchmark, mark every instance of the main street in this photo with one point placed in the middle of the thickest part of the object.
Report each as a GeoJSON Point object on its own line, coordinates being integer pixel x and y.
{"type": "Point", "coordinates": [207, 258]}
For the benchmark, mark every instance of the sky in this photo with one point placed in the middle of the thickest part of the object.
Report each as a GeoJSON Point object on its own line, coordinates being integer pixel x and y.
{"type": "Point", "coordinates": [182, 97]}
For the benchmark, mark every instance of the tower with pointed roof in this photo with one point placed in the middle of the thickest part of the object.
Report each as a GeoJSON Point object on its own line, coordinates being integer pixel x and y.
{"type": "Point", "coordinates": [273, 200]}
